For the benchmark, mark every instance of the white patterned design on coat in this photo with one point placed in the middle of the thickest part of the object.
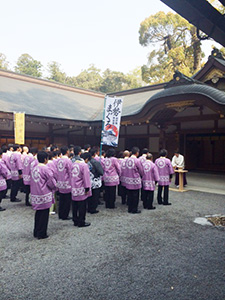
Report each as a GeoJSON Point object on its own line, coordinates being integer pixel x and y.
{"type": "Point", "coordinates": [148, 183]}
{"type": "Point", "coordinates": [133, 181]}
{"type": "Point", "coordinates": [35, 175]}
{"type": "Point", "coordinates": [164, 178]}
{"type": "Point", "coordinates": [107, 163]}
{"type": "Point", "coordinates": [41, 199]}
{"type": "Point", "coordinates": [2, 182]}
{"type": "Point", "coordinates": [130, 163]}
{"type": "Point", "coordinates": [14, 173]}
{"type": "Point", "coordinates": [147, 167]}
{"type": "Point", "coordinates": [60, 165]}
{"type": "Point", "coordinates": [161, 163]}
{"type": "Point", "coordinates": [26, 161]}
{"type": "Point", "coordinates": [111, 178]}
{"type": "Point", "coordinates": [78, 191]}
{"type": "Point", "coordinates": [26, 177]}
{"type": "Point", "coordinates": [75, 170]}
{"type": "Point", "coordinates": [63, 185]}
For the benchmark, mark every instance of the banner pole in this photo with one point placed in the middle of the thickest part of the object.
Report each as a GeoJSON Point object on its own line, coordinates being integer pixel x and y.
{"type": "Point", "coordinates": [103, 125]}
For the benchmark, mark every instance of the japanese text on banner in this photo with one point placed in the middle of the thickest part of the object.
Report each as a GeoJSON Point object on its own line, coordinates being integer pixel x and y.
{"type": "Point", "coordinates": [19, 128]}
{"type": "Point", "coordinates": [113, 111]}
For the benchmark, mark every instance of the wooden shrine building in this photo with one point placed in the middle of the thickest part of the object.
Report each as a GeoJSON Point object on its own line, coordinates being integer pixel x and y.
{"type": "Point", "coordinates": [186, 113]}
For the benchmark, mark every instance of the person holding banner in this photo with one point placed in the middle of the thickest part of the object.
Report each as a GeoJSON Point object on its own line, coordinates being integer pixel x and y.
{"type": "Point", "coordinates": [132, 178]}
{"type": "Point", "coordinates": [112, 172]}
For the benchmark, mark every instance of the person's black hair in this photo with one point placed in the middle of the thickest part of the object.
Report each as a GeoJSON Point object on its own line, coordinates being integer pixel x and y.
{"type": "Point", "coordinates": [177, 151]}
{"type": "Point", "coordinates": [50, 155]}
{"type": "Point", "coordinates": [110, 152]}
{"type": "Point", "coordinates": [77, 150]}
{"type": "Point", "coordinates": [120, 155]}
{"type": "Point", "coordinates": [55, 153]}
{"type": "Point", "coordinates": [87, 146]}
{"type": "Point", "coordinates": [71, 146]}
{"type": "Point", "coordinates": [163, 152]}
{"type": "Point", "coordinates": [15, 147]}
{"type": "Point", "coordinates": [33, 150]}
{"type": "Point", "coordinates": [10, 146]}
{"type": "Point", "coordinates": [4, 148]}
{"type": "Point", "coordinates": [42, 156]}
{"type": "Point", "coordinates": [86, 155]}
{"type": "Point", "coordinates": [144, 151]}
{"type": "Point", "coordinates": [93, 151]}
{"type": "Point", "coordinates": [135, 150]}
{"type": "Point", "coordinates": [149, 156]}
{"type": "Point", "coordinates": [53, 147]}
{"type": "Point", "coordinates": [1, 151]}
{"type": "Point", "coordinates": [64, 149]}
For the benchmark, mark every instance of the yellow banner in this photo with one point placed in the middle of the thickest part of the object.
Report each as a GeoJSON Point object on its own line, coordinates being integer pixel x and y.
{"type": "Point", "coordinates": [19, 128]}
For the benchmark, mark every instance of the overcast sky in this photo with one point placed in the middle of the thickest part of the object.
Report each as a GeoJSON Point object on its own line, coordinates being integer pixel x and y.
{"type": "Point", "coordinates": [77, 33]}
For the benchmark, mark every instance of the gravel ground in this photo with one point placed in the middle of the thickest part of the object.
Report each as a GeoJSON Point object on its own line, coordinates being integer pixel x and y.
{"type": "Point", "coordinates": [160, 254]}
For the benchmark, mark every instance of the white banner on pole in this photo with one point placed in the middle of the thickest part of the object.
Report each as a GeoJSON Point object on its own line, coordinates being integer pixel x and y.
{"type": "Point", "coordinates": [112, 116]}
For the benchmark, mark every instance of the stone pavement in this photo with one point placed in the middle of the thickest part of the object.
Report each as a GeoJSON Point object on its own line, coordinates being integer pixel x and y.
{"type": "Point", "coordinates": [205, 182]}
{"type": "Point", "coordinates": [155, 255]}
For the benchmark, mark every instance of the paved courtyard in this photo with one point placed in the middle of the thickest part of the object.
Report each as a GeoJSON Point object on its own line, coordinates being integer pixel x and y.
{"type": "Point", "coordinates": [160, 254]}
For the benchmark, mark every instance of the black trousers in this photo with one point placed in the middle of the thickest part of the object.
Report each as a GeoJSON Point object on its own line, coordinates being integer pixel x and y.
{"type": "Point", "coordinates": [148, 197]}
{"type": "Point", "coordinates": [79, 212]}
{"type": "Point", "coordinates": [64, 205]}
{"type": "Point", "coordinates": [165, 194]}
{"type": "Point", "coordinates": [133, 200]}
{"type": "Point", "coordinates": [27, 192]}
{"type": "Point", "coordinates": [41, 223]}
{"type": "Point", "coordinates": [8, 182]}
{"type": "Point", "coordinates": [123, 194]}
{"type": "Point", "coordinates": [110, 196]}
{"type": "Point", "coordinates": [93, 200]}
{"type": "Point", "coordinates": [15, 188]}
{"type": "Point", "coordinates": [2, 193]}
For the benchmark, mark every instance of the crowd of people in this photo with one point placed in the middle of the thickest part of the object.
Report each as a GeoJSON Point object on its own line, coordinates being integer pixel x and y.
{"type": "Point", "coordinates": [80, 178]}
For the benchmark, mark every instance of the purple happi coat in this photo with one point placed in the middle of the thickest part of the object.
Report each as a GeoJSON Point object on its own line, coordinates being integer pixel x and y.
{"type": "Point", "coordinates": [80, 180]}
{"type": "Point", "coordinates": [28, 159]}
{"type": "Point", "coordinates": [52, 166]}
{"type": "Point", "coordinates": [64, 166]}
{"type": "Point", "coordinates": [3, 175]}
{"type": "Point", "coordinates": [165, 169]}
{"type": "Point", "coordinates": [15, 165]}
{"type": "Point", "coordinates": [133, 173]}
{"type": "Point", "coordinates": [122, 163]}
{"type": "Point", "coordinates": [112, 171]}
{"type": "Point", "coordinates": [142, 158]}
{"type": "Point", "coordinates": [5, 159]}
{"type": "Point", "coordinates": [150, 175]}
{"type": "Point", "coordinates": [42, 185]}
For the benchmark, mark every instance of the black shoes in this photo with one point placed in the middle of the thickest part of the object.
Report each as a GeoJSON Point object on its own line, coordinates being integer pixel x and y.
{"type": "Point", "coordinates": [84, 224]}
{"type": "Point", "coordinates": [2, 209]}
{"type": "Point", "coordinates": [136, 212]}
{"type": "Point", "coordinates": [167, 203]}
{"type": "Point", "coordinates": [153, 207]}
{"type": "Point", "coordinates": [94, 212]}
{"type": "Point", "coordinates": [16, 200]}
{"type": "Point", "coordinates": [42, 237]}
